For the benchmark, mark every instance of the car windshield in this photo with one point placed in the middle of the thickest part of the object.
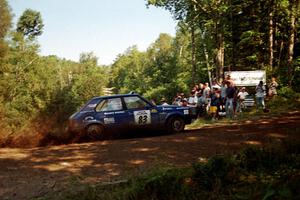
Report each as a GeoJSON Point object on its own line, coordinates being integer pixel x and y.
{"type": "Point", "coordinates": [91, 105]}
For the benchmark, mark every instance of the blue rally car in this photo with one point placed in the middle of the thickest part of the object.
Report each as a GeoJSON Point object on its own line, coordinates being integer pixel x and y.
{"type": "Point", "coordinates": [124, 111]}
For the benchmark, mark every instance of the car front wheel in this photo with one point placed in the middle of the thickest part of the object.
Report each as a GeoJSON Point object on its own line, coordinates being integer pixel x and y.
{"type": "Point", "coordinates": [176, 124]}
{"type": "Point", "coordinates": [95, 131]}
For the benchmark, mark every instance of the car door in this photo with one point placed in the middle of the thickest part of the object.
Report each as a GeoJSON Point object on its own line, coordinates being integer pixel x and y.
{"type": "Point", "coordinates": [140, 112]}
{"type": "Point", "coordinates": [111, 112]}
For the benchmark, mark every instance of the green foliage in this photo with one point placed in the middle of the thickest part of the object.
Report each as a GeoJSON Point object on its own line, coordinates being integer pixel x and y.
{"type": "Point", "coordinates": [35, 89]}
{"type": "Point", "coordinates": [296, 74]}
{"type": "Point", "coordinates": [127, 72]}
{"type": "Point", "coordinates": [157, 185]}
{"type": "Point", "coordinates": [288, 92]}
{"type": "Point", "coordinates": [88, 59]}
{"type": "Point", "coordinates": [154, 73]}
{"type": "Point", "coordinates": [271, 172]}
{"type": "Point", "coordinates": [253, 159]}
{"type": "Point", "coordinates": [216, 173]}
{"type": "Point", "coordinates": [30, 23]}
{"type": "Point", "coordinates": [243, 28]}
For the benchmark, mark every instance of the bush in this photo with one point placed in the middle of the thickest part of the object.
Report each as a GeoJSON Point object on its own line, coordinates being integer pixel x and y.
{"type": "Point", "coordinates": [167, 184]}
{"type": "Point", "coordinates": [288, 93]}
{"type": "Point", "coordinates": [216, 173]}
{"type": "Point", "coordinates": [255, 173]}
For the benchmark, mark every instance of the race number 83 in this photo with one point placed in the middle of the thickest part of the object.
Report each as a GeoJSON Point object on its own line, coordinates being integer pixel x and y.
{"type": "Point", "coordinates": [142, 117]}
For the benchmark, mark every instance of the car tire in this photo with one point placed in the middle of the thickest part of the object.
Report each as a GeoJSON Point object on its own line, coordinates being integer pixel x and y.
{"type": "Point", "coordinates": [176, 124]}
{"type": "Point", "coordinates": [95, 132]}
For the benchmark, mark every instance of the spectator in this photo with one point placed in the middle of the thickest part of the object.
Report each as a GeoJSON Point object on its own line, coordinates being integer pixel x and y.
{"type": "Point", "coordinates": [192, 102]}
{"type": "Point", "coordinates": [260, 95]}
{"type": "Point", "coordinates": [201, 86]}
{"type": "Point", "coordinates": [228, 79]}
{"type": "Point", "coordinates": [206, 95]}
{"type": "Point", "coordinates": [214, 105]}
{"type": "Point", "coordinates": [153, 101]}
{"type": "Point", "coordinates": [182, 95]}
{"type": "Point", "coordinates": [215, 85]}
{"type": "Point", "coordinates": [177, 100]}
{"type": "Point", "coordinates": [184, 102]}
{"type": "Point", "coordinates": [199, 105]}
{"type": "Point", "coordinates": [241, 96]}
{"type": "Point", "coordinates": [223, 98]}
{"type": "Point", "coordinates": [230, 91]}
{"type": "Point", "coordinates": [223, 89]}
{"type": "Point", "coordinates": [206, 91]}
{"type": "Point", "coordinates": [164, 102]}
{"type": "Point", "coordinates": [273, 87]}
{"type": "Point", "coordinates": [196, 89]}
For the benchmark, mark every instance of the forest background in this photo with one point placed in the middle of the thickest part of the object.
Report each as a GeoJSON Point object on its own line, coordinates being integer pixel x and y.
{"type": "Point", "coordinates": [38, 93]}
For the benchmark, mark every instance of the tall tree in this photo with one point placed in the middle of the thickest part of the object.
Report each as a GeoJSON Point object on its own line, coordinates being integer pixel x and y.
{"type": "Point", "coordinates": [5, 18]}
{"type": "Point", "coordinates": [183, 11]}
{"type": "Point", "coordinates": [127, 72]}
{"type": "Point", "coordinates": [209, 15]}
{"type": "Point", "coordinates": [294, 9]}
{"type": "Point", "coordinates": [88, 58]}
{"type": "Point", "coordinates": [30, 23]}
{"type": "Point", "coordinates": [271, 35]}
{"type": "Point", "coordinates": [5, 23]}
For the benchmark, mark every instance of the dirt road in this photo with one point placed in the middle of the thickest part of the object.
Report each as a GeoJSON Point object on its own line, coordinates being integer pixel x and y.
{"type": "Point", "coordinates": [29, 173]}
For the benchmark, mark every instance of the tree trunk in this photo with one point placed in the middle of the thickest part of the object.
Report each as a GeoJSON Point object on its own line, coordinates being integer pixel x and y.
{"type": "Point", "coordinates": [206, 58]}
{"type": "Point", "coordinates": [193, 53]}
{"type": "Point", "coordinates": [271, 41]}
{"type": "Point", "coordinates": [220, 54]}
{"type": "Point", "coordinates": [233, 32]}
{"type": "Point", "coordinates": [280, 53]}
{"type": "Point", "coordinates": [291, 43]}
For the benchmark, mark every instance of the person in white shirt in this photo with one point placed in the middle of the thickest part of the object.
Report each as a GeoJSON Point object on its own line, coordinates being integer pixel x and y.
{"type": "Point", "coordinates": [192, 100]}
{"type": "Point", "coordinates": [215, 85]}
{"type": "Point", "coordinates": [241, 98]}
{"type": "Point", "coordinates": [206, 96]}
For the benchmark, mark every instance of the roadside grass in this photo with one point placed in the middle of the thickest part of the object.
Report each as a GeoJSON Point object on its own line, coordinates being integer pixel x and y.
{"type": "Point", "coordinates": [271, 172]}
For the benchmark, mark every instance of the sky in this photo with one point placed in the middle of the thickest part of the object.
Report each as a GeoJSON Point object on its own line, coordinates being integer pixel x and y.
{"type": "Point", "coordinates": [105, 27]}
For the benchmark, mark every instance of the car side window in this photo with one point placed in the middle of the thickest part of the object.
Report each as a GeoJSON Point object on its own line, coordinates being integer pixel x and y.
{"type": "Point", "coordinates": [135, 102]}
{"type": "Point", "coordinates": [110, 105]}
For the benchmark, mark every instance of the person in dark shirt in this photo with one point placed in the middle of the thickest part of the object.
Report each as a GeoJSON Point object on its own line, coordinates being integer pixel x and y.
{"type": "Point", "coordinates": [214, 104]}
{"type": "Point", "coordinates": [230, 91]}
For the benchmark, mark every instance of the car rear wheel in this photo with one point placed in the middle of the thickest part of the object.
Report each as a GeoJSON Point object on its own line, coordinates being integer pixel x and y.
{"type": "Point", "coordinates": [95, 131]}
{"type": "Point", "coordinates": [176, 124]}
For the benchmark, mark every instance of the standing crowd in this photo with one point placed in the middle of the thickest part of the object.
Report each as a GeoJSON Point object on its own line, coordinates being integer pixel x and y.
{"type": "Point", "coordinates": [223, 99]}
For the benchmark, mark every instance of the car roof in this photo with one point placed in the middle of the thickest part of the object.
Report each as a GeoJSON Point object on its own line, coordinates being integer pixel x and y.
{"type": "Point", "coordinates": [115, 96]}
